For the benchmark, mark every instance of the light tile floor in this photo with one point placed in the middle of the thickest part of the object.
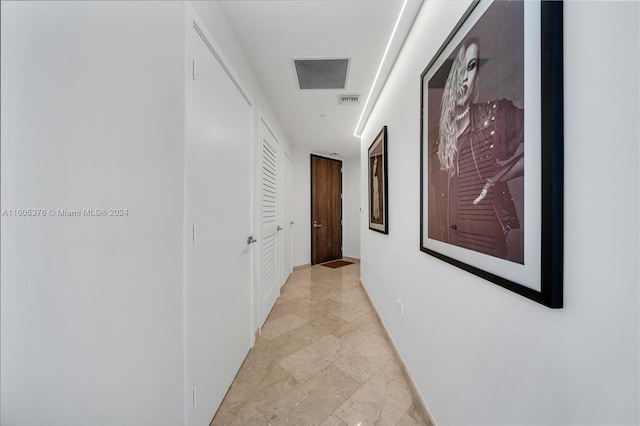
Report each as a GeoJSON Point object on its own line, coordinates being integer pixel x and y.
{"type": "Point", "coordinates": [322, 359]}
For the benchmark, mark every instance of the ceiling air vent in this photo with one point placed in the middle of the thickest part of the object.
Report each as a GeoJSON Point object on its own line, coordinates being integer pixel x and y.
{"type": "Point", "coordinates": [321, 73]}
{"type": "Point", "coordinates": [349, 99]}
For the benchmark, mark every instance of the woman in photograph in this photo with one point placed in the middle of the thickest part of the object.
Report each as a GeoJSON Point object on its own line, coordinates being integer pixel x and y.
{"type": "Point", "coordinates": [479, 149]}
{"type": "Point", "coordinates": [376, 192]}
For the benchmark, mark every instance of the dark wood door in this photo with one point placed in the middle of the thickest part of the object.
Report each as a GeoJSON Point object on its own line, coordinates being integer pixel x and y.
{"type": "Point", "coordinates": [326, 209]}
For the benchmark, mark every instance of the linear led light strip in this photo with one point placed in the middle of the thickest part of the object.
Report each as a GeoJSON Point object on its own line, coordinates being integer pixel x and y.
{"type": "Point", "coordinates": [384, 56]}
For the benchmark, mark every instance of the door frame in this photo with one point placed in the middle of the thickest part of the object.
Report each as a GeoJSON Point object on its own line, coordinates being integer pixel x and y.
{"type": "Point", "coordinates": [311, 202]}
{"type": "Point", "coordinates": [285, 191]}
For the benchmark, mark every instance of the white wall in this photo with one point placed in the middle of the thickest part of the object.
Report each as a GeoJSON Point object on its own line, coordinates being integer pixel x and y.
{"type": "Point", "coordinates": [92, 306]}
{"type": "Point", "coordinates": [481, 354]}
{"type": "Point", "coordinates": [351, 215]}
{"type": "Point", "coordinates": [301, 208]}
{"type": "Point", "coordinates": [93, 97]}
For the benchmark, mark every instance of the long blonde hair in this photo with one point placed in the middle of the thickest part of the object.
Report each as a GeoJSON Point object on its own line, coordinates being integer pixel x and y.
{"type": "Point", "coordinates": [447, 148]}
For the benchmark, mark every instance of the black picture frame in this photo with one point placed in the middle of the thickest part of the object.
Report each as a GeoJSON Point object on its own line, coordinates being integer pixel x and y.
{"type": "Point", "coordinates": [450, 218]}
{"type": "Point", "coordinates": [378, 183]}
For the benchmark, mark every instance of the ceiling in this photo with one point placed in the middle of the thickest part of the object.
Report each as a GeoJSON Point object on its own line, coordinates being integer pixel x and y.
{"type": "Point", "coordinates": [274, 33]}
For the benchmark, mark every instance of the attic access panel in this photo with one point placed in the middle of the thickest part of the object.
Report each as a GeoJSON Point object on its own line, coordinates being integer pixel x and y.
{"type": "Point", "coordinates": [321, 73]}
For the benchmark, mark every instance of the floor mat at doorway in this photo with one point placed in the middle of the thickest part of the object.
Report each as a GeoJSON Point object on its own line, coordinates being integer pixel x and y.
{"type": "Point", "coordinates": [337, 264]}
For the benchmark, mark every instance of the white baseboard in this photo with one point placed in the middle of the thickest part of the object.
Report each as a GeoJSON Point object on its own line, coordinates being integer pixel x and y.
{"type": "Point", "coordinates": [306, 265]}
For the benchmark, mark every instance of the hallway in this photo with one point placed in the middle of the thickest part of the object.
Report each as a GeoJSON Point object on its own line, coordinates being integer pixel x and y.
{"type": "Point", "coordinates": [322, 359]}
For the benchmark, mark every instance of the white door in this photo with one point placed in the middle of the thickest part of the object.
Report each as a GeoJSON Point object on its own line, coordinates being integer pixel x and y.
{"type": "Point", "coordinates": [269, 285]}
{"type": "Point", "coordinates": [286, 218]}
{"type": "Point", "coordinates": [219, 221]}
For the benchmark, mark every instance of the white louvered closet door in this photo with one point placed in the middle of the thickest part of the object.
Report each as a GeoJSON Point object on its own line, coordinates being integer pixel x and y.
{"type": "Point", "coordinates": [269, 288]}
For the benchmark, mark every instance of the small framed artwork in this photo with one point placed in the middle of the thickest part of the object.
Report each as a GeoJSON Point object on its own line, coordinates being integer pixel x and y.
{"type": "Point", "coordinates": [492, 148]}
{"type": "Point", "coordinates": [378, 195]}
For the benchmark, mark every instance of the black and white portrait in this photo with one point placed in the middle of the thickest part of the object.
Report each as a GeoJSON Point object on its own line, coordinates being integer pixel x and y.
{"type": "Point", "coordinates": [475, 145]}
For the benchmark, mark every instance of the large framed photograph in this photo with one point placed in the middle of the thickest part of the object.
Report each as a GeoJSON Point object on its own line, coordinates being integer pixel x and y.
{"type": "Point", "coordinates": [378, 196]}
{"type": "Point", "coordinates": [492, 148]}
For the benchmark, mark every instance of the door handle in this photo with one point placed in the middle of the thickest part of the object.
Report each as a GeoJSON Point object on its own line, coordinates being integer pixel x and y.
{"type": "Point", "coordinates": [251, 240]}
{"type": "Point", "coordinates": [315, 225]}
{"type": "Point", "coordinates": [280, 228]}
